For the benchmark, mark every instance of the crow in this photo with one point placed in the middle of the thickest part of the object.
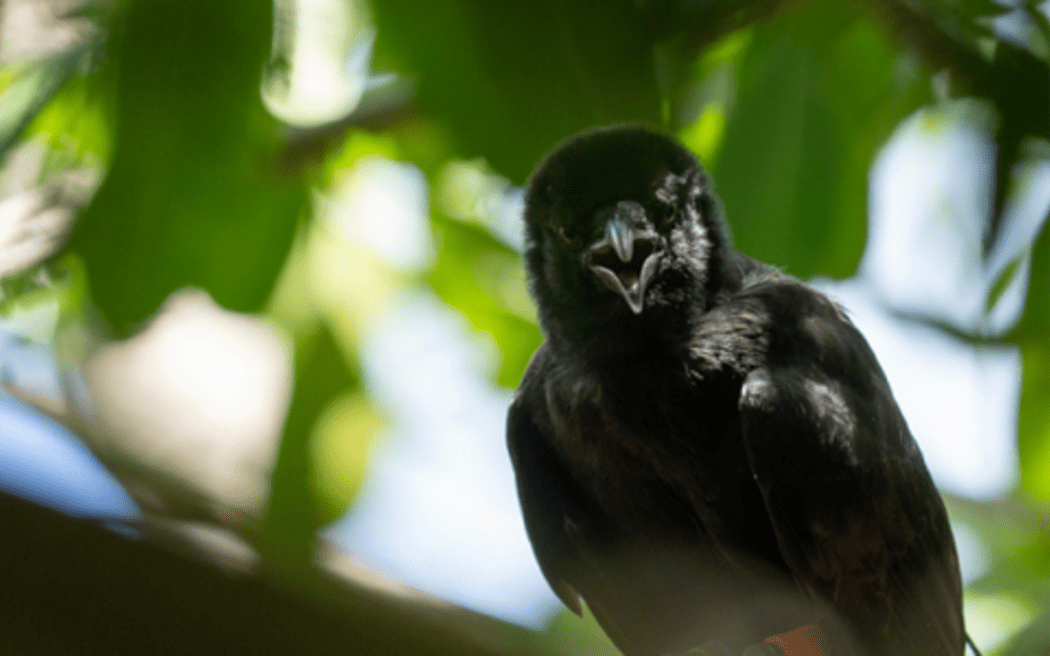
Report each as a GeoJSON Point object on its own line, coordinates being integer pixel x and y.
{"type": "Point", "coordinates": [707, 451]}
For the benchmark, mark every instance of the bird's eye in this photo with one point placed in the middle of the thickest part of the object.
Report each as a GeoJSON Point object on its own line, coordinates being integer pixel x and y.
{"type": "Point", "coordinates": [567, 235]}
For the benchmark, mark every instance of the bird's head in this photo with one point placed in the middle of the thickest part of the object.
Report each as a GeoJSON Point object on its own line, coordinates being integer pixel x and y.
{"type": "Point", "coordinates": [621, 230]}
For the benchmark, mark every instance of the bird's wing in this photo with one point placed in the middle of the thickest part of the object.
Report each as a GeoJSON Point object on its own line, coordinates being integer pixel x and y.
{"type": "Point", "coordinates": [856, 515]}
{"type": "Point", "coordinates": [563, 522]}
{"type": "Point", "coordinates": [546, 491]}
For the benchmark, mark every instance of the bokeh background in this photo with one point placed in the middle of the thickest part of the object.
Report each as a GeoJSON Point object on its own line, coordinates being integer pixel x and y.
{"type": "Point", "coordinates": [262, 303]}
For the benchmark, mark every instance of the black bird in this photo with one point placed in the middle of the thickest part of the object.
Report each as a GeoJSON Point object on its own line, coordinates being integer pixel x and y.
{"type": "Point", "coordinates": [707, 451]}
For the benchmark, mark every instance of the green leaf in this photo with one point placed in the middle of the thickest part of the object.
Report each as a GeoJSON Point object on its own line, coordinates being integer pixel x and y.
{"type": "Point", "coordinates": [1003, 281]}
{"type": "Point", "coordinates": [962, 19]}
{"type": "Point", "coordinates": [76, 119]}
{"type": "Point", "coordinates": [780, 162]}
{"type": "Point", "coordinates": [820, 90]}
{"type": "Point", "coordinates": [1035, 639]}
{"type": "Point", "coordinates": [471, 268]}
{"type": "Point", "coordinates": [1014, 529]}
{"type": "Point", "coordinates": [191, 198]}
{"type": "Point", "coordinates": [322, 375]}
{"type": "Point", "coordinates": [340, 448]}
{"type": "Point", "coordinates": [1018, 83]}
{"type": "Point", "coordinates": [509, 80]}
{"type": "Point", "coordinates": [28, 89]}
{"type": "Point", "coordinates": [1031, 335]}
{"type": "Point", "coordinates": [1033, 431]}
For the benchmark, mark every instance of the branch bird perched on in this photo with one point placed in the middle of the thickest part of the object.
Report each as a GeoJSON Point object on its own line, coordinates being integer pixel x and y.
{"type": "Point", "coordinates": [707, 451]}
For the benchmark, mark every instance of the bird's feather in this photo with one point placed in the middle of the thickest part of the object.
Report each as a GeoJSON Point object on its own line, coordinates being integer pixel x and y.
{"type": "Point", "coordinates": [819, 423]}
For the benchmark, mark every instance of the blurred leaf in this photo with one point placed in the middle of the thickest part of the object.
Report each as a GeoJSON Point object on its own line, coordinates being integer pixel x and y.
{"type": "Point", "coordinates": [339, 450]}
{"type": "Point", "coordinates": [76, 118]}
{"type": "Point", "coordinates": [60, 280]}
{"type": "Point", "coordinates": [295, 512]}
{"type": "Point", "coordinates": [703, 97]}
{"type": "Point", "coordinates": [1016, 532]}
{"type": "Point", "coordinates": [870, 88]}
{"type": "Point", "coordinates": [1004, 280]}
{"type": "Point", "coordinates": [704, 135]}
{"type": "Point", "coordinates": [1018, 83]}
{"type": "Point", "coordinates": [426, 144]}
{"type": "Point", "coordinates": [820, 91]}
{"type": "Point", "coordinates": [465, 256]}
{"type": "Point", "coordinates": [190, 198]}
{"type": "Point", "coordinates": [1033, 431]}
{"type": "Point", "coordinates": [37, 209]}
{"type": "Point", "coordinates": [357, 145]}
{"type": "Point", "coordinates": [1031, 334]}
{"type": "Point", "coordinates": [992, 619]}
{"type": "Point", "coordinates": [969, 19]}
{"type": "Point", "coordinates": [778, 170]}
{"type": "Point", "coordinates": [30, 88]}
{"type": "Point", "coordinates": [1033, 641]}
{"type": "Point", "coordinates": [511, 79]}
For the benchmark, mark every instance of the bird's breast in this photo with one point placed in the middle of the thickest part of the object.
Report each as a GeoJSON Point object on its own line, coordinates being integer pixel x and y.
{"type": "Point", "coordinates": [650, 454]}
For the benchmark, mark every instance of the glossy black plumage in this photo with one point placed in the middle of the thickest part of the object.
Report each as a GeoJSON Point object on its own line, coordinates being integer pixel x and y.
{"type": "Point", "coordinates": [707, 449]}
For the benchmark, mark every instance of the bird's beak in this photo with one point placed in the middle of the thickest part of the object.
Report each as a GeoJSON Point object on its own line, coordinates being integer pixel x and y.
{"type": "Point", "coordinates": [625, 258]}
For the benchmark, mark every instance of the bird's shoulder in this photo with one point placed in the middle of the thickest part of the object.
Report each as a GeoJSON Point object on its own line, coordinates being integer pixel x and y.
{"type": "Point", "coordinates": [771, 318]}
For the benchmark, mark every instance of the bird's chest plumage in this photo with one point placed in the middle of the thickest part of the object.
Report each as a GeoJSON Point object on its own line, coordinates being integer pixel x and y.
{"type": "Point", "coordinates": [660, 454]}
{"type": "Point", "coordinates": [681, 523]}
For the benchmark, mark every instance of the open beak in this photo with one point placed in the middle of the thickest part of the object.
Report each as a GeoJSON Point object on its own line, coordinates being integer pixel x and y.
{"type": "Point", "coordinates": [625, 258]}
